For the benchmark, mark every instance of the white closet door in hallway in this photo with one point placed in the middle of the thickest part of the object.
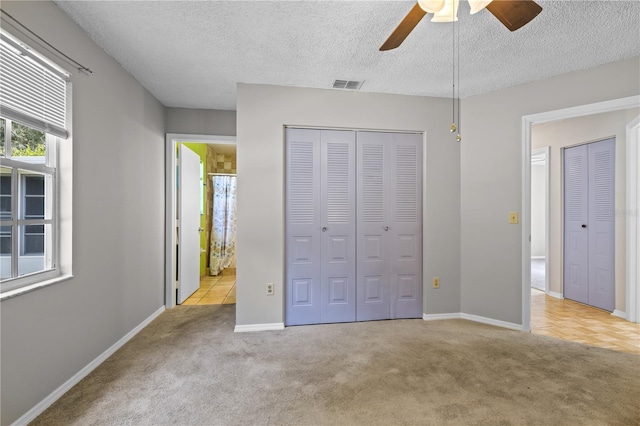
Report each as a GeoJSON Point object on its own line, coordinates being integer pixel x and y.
{"type": "Point", "coordinates": [589, 223]}
{"type": "Point", "coordinates": [389, 227]}
{"type": "Point", "coordinates": [340, 269]}
{"type": "Point", "coordinates": [320, 222]}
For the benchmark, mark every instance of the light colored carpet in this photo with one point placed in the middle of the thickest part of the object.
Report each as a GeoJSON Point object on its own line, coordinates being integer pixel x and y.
{"type": "Point", "coordinates": [188, 367]}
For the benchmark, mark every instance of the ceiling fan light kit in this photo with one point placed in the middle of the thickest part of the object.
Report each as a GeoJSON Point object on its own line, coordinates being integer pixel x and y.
{"type": "Point", "coordinates": [442, 8]}
{"type": "Point", "coordinates": [513, 14]}
{"type": "Point", "coordinates": [449, 13]}
{"type": "Point", "coordinates": [431, 6]}
{"type": "Point", "coordinates": [478, 5]}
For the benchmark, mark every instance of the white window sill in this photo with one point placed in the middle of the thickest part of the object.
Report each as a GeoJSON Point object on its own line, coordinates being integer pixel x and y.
{"type": "Point", "coordinates": [32, 287]}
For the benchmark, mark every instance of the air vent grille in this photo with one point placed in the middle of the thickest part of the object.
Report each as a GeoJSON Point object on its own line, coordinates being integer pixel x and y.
{"type": "Point", "coordinates": [347, 84]}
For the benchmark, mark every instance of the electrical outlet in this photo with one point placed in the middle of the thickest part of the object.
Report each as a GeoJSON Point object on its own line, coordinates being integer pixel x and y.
{"type": "Point", "coordinates": [270, 289]}
{"type": "Point", "coordinates": [436, 282]}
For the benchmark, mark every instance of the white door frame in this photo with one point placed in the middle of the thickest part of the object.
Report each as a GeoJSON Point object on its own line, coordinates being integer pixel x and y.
{"type": "Point", "coordinates": [633, 220]}
{"type": "Point", "coordinates": [527, 122]}
{"type": "Point", "coordinates": [547, 211]}
{"type": "Point", "coordinates": [171, 141]}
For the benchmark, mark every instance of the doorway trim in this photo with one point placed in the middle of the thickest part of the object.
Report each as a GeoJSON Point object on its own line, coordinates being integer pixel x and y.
{"type": "Point", "coordinates": [527, 123]}
{"type": "Point", "coordinates": [633, 220]}
{"type": "Point", "coordinates": [171, 141]}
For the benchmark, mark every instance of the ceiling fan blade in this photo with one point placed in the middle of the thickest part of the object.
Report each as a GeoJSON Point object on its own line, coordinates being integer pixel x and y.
{"type": "Point", "coordinates": [404, 28]}
{"type": "Point", "coordinates": [514, 14]}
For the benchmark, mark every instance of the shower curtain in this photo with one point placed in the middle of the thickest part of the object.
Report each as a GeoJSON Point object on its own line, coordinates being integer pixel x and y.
{"type": "Point", "coordinates": [223, 224]}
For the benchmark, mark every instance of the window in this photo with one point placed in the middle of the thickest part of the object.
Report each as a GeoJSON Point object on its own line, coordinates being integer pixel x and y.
{"type": "Point", "coordinates": [33, 118]}
{"type": "Point", "coordinates": [28, 170]}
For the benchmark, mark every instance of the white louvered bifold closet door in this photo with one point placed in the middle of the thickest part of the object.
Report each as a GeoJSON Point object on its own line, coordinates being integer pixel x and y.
{"type": "Point", "coordinates": [389, 226]}
{"type": "Point", "coordinates": [303, 224]}
{"type": "Point", "coordinates": [589, 224]}
{"type": "Point", "coordinates": [338, 237]}
{"type": "Point", "coordinates": [405, 208]}
{"type": "Point", "coordinates": [320, 226]}
{"type": "Point", "coordinates": [373, 218]}
{"type": "Point", "coordinates": [576, 238]}
{"type": "Point", "coordinates": [601, 227]}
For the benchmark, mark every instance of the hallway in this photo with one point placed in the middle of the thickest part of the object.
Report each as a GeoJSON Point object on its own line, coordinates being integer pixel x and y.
{"type": "Point", "coordinates": [217, 290]}
{"type": "Point", "coordinates": [569, 320]}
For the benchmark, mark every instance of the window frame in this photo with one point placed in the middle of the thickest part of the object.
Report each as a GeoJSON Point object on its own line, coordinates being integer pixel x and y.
{"type": "Point", "coordinates": [24, 196]}
{"type": "Point", "coordinates": [60, 151]}
{"type": "Point", "coordinates": [18, 192]}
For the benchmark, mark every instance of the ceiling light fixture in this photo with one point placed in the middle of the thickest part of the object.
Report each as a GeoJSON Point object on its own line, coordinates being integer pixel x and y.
{"type": "Point", "coordinates": [449, 13]}
{"type": "Point", "coordinates": [513, 14]}
{"type": "Point", "coordinates": [447, 10]}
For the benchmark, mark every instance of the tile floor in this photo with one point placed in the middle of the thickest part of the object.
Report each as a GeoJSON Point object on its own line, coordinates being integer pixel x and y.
{"type": "Point", "coordinates": [218, 290]}
{"type": "Point", "coordinates": [569, 320]}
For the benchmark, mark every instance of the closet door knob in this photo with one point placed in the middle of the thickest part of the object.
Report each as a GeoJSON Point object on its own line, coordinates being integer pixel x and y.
{"type": "Point", "coordinates": [584, 226]}
{"type": "Point", "coordinates": [386, 228]}
{"type": "Point", "coordinates": [324, 229]}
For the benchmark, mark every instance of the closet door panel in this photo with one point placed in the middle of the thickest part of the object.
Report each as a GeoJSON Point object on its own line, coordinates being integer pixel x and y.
{"type": "Point", "coordinates": [338, 237]}
{"type": "Point", "coordinates": [576, 234]}
{"type": "Point", "coordinates": [303, 223]}
{"type": "Point", "coordinates": [405, 228]}
{"type": "Point", "coordinates": [372, 219]}
{"type": "Point", "coordinates": [601, 225]}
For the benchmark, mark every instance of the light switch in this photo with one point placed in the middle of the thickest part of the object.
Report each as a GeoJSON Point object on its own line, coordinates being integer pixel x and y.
{"type": "Point", "coordinates": [513, 218]}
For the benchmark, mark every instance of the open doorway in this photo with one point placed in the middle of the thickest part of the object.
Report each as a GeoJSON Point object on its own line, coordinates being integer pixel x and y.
{"type": "Point", "coordinates": [219, 221]}
{"type": "Point", "coordinates": [540, 218]}
{"type": "Point", "coordinates": [549, 312]}
{"type": "Point", "coordinates": [200, 268]}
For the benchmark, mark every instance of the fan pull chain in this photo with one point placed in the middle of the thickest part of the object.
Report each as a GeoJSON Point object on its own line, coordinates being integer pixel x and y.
{"type": "Point", "coordinates": [458, 137]}
{"type": "Point", "coordinates": [453, 127]}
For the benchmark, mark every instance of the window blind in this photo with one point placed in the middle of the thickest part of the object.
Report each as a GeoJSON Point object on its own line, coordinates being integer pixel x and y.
{"type": "Point", "coordinates": [32, 91]}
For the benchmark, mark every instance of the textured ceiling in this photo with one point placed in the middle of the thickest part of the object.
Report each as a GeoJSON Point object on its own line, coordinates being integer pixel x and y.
{"type": "Point", "coordinates": [192, 53]}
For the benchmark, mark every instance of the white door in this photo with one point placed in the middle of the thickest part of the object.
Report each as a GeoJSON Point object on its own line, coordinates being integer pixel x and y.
{"type": "Point", "coordinates": [303, 227]}
{"type": "Point", "coordinates": [389, 252]}
{"type": "Point", "coordinates": [601, 224]}
{"type": "Point", "coordinates": [339, 268]}
{"type": "Point", "coordinates": [188, 223]}
{"type": "Point", "coordinates": [576, 236]}
{"type": "Point", "coordinates": [320, 220]}
{"type": "Point", "coordinates": [405, 211]}
{"type": "Point", "coordinates": [338, 217]}
{"type": "Point", "coordinates": [373, 227]}
{"type": "Point", "coordinates": [589, 247]}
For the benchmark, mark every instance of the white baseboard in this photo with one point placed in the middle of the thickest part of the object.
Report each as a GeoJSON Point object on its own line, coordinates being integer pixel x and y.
{"type": "Point", "coordinates": [435, 317]}
{"type": "Point", "coordinates": [259, 327]}
{"type": "Point", "coordinates": [492, 321]}
{"type": "Point", "coordinates": [30, 415]}
{"type": "Point", "coordinates": [538, 257]}
{"type": "Point", "coordinates": [619, 314]}
{"type": "Point", "coordinates": [556, 295]}
{"type": "Point", "coordinates": [469, 317]}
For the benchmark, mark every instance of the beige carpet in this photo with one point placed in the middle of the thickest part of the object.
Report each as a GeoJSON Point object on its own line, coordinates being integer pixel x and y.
{"type": "Point", "coordinates": [189, 368]}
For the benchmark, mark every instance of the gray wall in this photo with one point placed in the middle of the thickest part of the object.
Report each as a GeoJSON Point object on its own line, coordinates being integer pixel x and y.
{"type": "Point", "coordinates": [50, 334]}
{"type": "Point", "coordinates": [200, 121]}
{"type": "Point", "coordinates": [575, 131]}
{"type": "Point", "coordinates": [491, 178]}
{"type": "Point", "coordinates": [262, 113]}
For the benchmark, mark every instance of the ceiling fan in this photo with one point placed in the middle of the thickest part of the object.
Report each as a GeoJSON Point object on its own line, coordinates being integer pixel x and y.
{"type": "Point", "coordinates": [513, 14]}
